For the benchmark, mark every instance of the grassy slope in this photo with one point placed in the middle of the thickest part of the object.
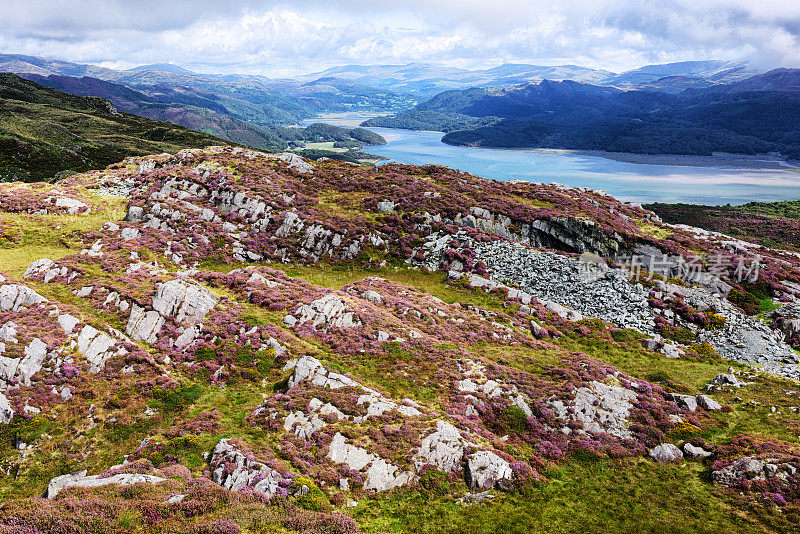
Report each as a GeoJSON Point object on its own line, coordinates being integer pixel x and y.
{"type": "Point", "coordinates": [44, 131]}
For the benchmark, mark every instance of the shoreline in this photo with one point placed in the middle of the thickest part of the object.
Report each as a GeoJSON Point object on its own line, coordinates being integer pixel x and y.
{"type": "Point", "coordinates": [719, 161]}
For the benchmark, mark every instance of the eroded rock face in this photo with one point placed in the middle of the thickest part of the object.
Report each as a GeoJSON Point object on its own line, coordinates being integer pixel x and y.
{"type": "Point", "coordinates": [81, 480]}
{"type": "Point", "coordinates": [486, 470]}
{"type": "Point", "coordinates": [235, 471]}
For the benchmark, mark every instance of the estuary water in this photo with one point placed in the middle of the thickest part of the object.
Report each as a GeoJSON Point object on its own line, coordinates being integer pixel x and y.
{"type": "Point", "coordinates": [635, 182]}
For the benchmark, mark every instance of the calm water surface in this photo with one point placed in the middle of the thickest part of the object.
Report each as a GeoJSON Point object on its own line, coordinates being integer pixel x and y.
{"type": "Point", "coordinates": [626, 181]}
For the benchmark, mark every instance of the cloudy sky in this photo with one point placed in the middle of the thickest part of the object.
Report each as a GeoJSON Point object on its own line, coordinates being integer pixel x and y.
{"type": "Point", "coordinates": [284, 38]}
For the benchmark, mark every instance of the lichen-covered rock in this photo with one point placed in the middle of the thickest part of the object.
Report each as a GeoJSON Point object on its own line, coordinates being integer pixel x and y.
{"type": "Point", "coordinates": [665, 453]}
{"type": "Point", "coordinates": [442, 448]}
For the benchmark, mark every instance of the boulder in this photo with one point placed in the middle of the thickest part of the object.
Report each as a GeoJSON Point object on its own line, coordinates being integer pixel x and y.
{"type": "Point", "coordinates": [81, 480]}
{"type": "Point", "coordinates": [725, 379]}
{"type": "Point", "coordinates": [443, 449]}
{"type": "Point", "coordinates": [144, 325]}
{"type": "Point", "coordinates": [685, 402]}
{"type": "Point", "coordinates": [665, 453]}
{"type": "Point", "coordinates": [692, 451]}
{"type": "Point", "coordinates": [187, 302]}
{"type": "Point", "coordinates": [6, 412]}
{"type": "Point", "coordinates": [707, 403]}
{"type": "Point", "coordinates": [486, 470]}
{"type": "Point", "coordinates": [13, 297]}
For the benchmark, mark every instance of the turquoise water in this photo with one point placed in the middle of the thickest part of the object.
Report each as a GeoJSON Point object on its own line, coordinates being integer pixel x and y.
{"type": "Point", "coordinates": [627, 181]}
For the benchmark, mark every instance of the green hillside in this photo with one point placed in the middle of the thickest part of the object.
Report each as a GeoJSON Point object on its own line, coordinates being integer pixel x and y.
{"type": "Point", "coordinates": [44, 132]}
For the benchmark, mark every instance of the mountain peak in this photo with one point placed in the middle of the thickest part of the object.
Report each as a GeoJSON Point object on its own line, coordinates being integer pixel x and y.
{"type": "Point", "coordinates": [163, 67]}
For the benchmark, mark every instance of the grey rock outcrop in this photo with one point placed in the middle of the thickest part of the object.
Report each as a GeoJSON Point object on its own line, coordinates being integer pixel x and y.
{"type": "Point", "coordinates": [22, 369]}
{"type": "Point", "coordinates": [97, 347]}
{"type": "Point", "coordinates": [327, 312]}
{"type": "Point", "coordinates": [665, 453]}
{"type": "Point", "coordinates": [600, 407]}
{"type": "Point", "coordinates": [442, 448]}
{"type": "Point", "coordinates": [144, 325]}
{"type": "Point", "coordinates": [707, 403]}
{"type": "Point", "coordinates": [14, 297]}
{"type": "Point", "coordinates": [752, 468]}
{"type": "Point", "coordinates": [81, 480]}
{"type": "Point", "coordinates": [247, 473]}
{"type": "Point", "coordinates": [6, 412]}
{"type": "Point", "coordinates": [692, 451]}
{"type": "Point", "coordinates": [486, 470]}
{"type": "Point", "coordinates": [186, 301]}
{"type": "Point", "coordinates": [380, 475]}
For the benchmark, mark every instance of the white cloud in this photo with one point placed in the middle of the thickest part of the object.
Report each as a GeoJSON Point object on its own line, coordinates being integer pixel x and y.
{"type": "Point", "coordinates": [279, 37]}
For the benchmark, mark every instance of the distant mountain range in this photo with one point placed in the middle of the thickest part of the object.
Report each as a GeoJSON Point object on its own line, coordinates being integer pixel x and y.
{"type": "Point", "coordinates": [257, 99]}
{"type": "Point", "coordinates": [694, 107]}
{"type": "Point", "coordinates": [425, 81]}
{"type": "Point", "coordinates": [752, 116]}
